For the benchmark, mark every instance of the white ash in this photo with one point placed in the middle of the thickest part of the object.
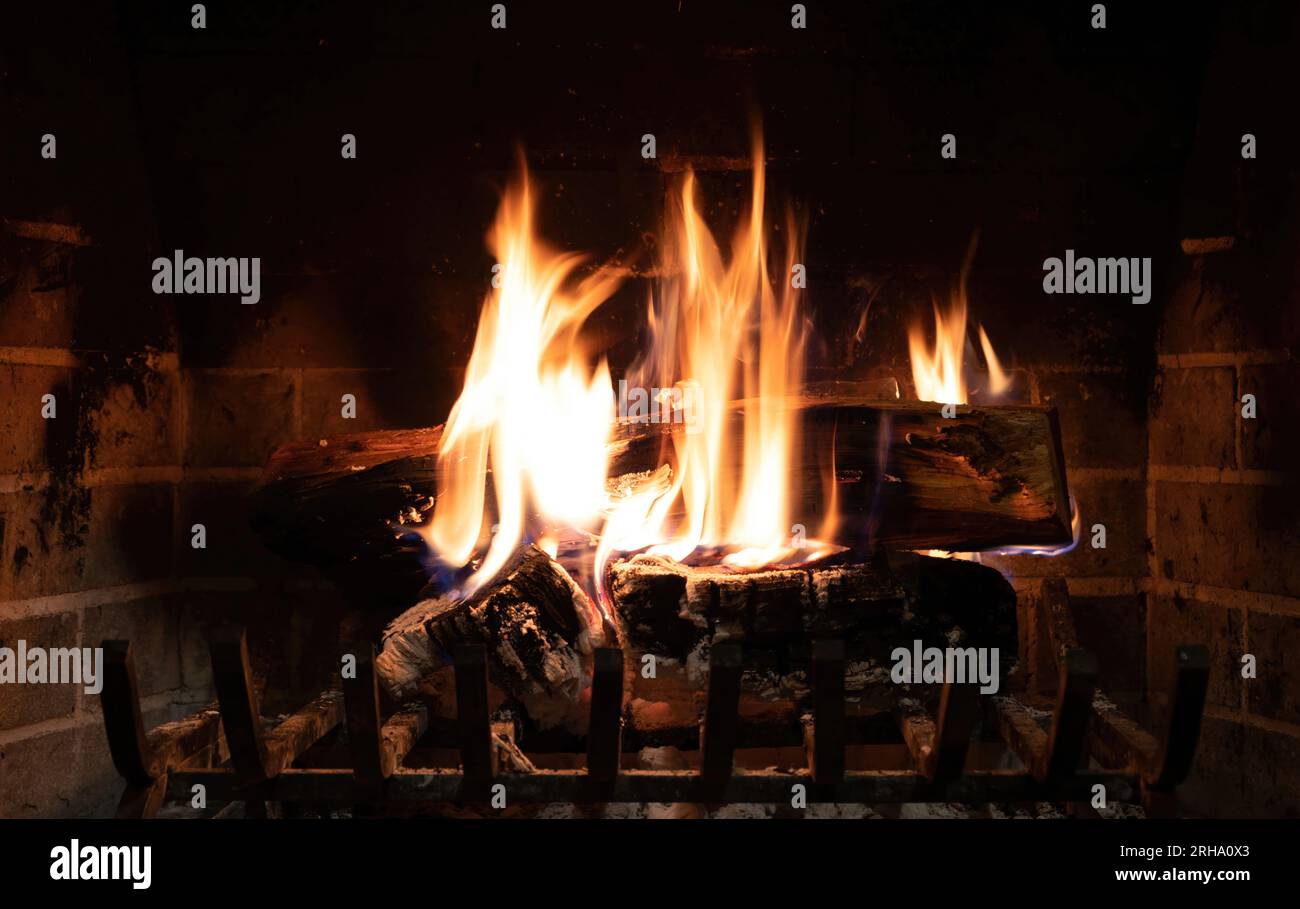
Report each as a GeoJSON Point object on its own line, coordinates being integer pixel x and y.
{"type": "Point", "coordinates": [697, 663]}
{"type": "Point", "coordinates": [742, 810]}
{"type": "Point", "coordinates": [862, 674]}
{"type": "Point", "coordinates": [1122, 811]}
{"type": "Point", "coordinates": [931, 810]}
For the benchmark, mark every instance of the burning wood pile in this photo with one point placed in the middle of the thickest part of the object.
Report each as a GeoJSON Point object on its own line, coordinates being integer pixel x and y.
{"type": "Point", "coordinates": [543, 521]}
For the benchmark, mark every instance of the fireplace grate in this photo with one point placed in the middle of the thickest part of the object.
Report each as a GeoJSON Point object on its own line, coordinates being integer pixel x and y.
{"type": "Point", "coordinates": [225, 748]}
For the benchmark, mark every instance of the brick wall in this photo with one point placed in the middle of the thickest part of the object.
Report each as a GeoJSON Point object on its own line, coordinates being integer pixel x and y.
{"type": "Point", "coordinates": [1222, 509]}
{"type": "Point", "coordinates": [87, 498]}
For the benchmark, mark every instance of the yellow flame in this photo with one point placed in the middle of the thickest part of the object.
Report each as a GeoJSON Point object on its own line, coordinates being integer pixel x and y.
{"type": "Point", "coordinates": [999, 381]}
{"type": "Point", "coordinates": [536, 411]}
{"type": "Point", "coordinates": [534, 408]}
{"type": "Point", "coordinates": [730, 327]}
{"type": "Point", "coordinates": [938, 369]}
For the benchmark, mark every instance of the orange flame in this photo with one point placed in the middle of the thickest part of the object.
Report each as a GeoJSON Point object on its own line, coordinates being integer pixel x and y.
{"type": "Point", "coordinates": [729, 328]}
{"type": "Point", "coordinates": [536, 411]}
{"type": "Point", "coordinates": [938, 370]}
{"type": "Point", "coordinates": [534, 407]}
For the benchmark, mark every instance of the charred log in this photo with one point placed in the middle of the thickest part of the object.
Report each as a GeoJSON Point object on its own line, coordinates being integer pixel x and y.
{"type": "Point", "coordinates": [676, 613]}
{"type": "Point", "coordinates": [535, 621]}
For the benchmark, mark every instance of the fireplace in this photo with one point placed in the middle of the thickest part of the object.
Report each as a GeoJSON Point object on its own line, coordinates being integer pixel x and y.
{"type": "Point", "coordinates": [928, 526]}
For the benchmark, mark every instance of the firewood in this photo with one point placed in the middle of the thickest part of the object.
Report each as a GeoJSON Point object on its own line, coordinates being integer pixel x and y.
{"type": "Point", "coordinates": [677, 611]}
{"type": "Point", "coordinates": [536, 623]}
{"type": "Point", "coordinates": [906, 477]}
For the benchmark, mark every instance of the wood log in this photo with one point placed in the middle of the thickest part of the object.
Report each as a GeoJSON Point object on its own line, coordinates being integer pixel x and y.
{"type": "Point", "coordinates": [536, 624]}
{"type": "Point", "coordinates": [906, 477]}
{"type": "Point", "coordinates": [340, 505]}
{"type": "Point", "coordinates": [674, 609]}
{"type": "Point", "coordinates": [675, 612]}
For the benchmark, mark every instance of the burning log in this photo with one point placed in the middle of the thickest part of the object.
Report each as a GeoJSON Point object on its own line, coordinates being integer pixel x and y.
{"type": "Point", "coordinates": [536, 622]}
{"type": "Point", "coordinates": [906, 477]}
{"type": "Point", "coordinates": [676, 611]}
{"type": "Point", "coordinates": [334, 504]}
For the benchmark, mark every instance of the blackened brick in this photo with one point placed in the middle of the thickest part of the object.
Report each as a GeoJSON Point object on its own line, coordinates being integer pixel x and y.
{"type": "Point", "coordinates": [1101, 426]}
{"type": "Point", "coordinates": [238, 419]}
{"type": "Point", "coordinates": [1121, 506]}
{"type": "Point", "coordinates": [1271, 440]}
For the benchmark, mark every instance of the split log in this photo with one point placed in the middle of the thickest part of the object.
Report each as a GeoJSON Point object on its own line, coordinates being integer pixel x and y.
{"type": "Point", "coordinates": [537, 625]}
{"type": "Point", "coordinates": [906, 477]}
{"type": "Point", "coordinates": [677, 612]}
{"type": "Point", "coordinates": [673, 609]}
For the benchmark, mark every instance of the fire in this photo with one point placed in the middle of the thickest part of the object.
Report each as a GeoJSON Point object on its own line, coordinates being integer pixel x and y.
{"type": "Point", "coordinates": [938, 370]}
{"type": "Point", "coordinates": [727, 334]}
{"type": "Point", "coordinates": [731, 328]}
{"type": "Point", "coordinates": [535, 408]}
{"type": "Point", "coordinates": [536, 411]}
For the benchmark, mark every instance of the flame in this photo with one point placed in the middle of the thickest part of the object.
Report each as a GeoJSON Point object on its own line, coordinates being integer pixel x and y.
{"type": "Point", "coordinates": [727, 335]}
{"type": "Point", "coordinates": [535, 409]}
{"type": "Point", "coordinates": [730, 327]}
{"type": "Point", "coordinates": [938, 370]}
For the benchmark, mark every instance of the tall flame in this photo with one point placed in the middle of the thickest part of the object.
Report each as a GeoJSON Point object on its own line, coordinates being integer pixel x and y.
{"type": "Point", "coordinates": [728, 328]}
{"type": "Point", "coordinates": [535, 409]}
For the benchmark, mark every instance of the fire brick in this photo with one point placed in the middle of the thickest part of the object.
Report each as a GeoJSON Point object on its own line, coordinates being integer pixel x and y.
{"type": "Point", "coordinates": [1175, 621]}
{"type": "Point", "coordinates": [51, 548]}
{"type": "Point", "coordinates": [1229, 535]}
{"type": "Point", "coordinates": [135, 426]}
{"type": "Point", "coordinates": [1270, 441]}
{"type": "Point", "coordinates": [23, 704]}
{"type": "Point", "coordinates": [1275, 692]}
{"type": "Point", "coordinates": [1193, 419]}
{"type": "Point", "coordinates": [23, 432]}
{"type": "Point", "coordinates": [238, 419]}
{"type": "Point", "coordinates": [1088, 400]}
{"type": "Point", "coordinates": [152, 627]}
{"type": "Point", "coordinates": [1118, 504]}
{"type": "Point", "coordinates": [1243, 771]}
